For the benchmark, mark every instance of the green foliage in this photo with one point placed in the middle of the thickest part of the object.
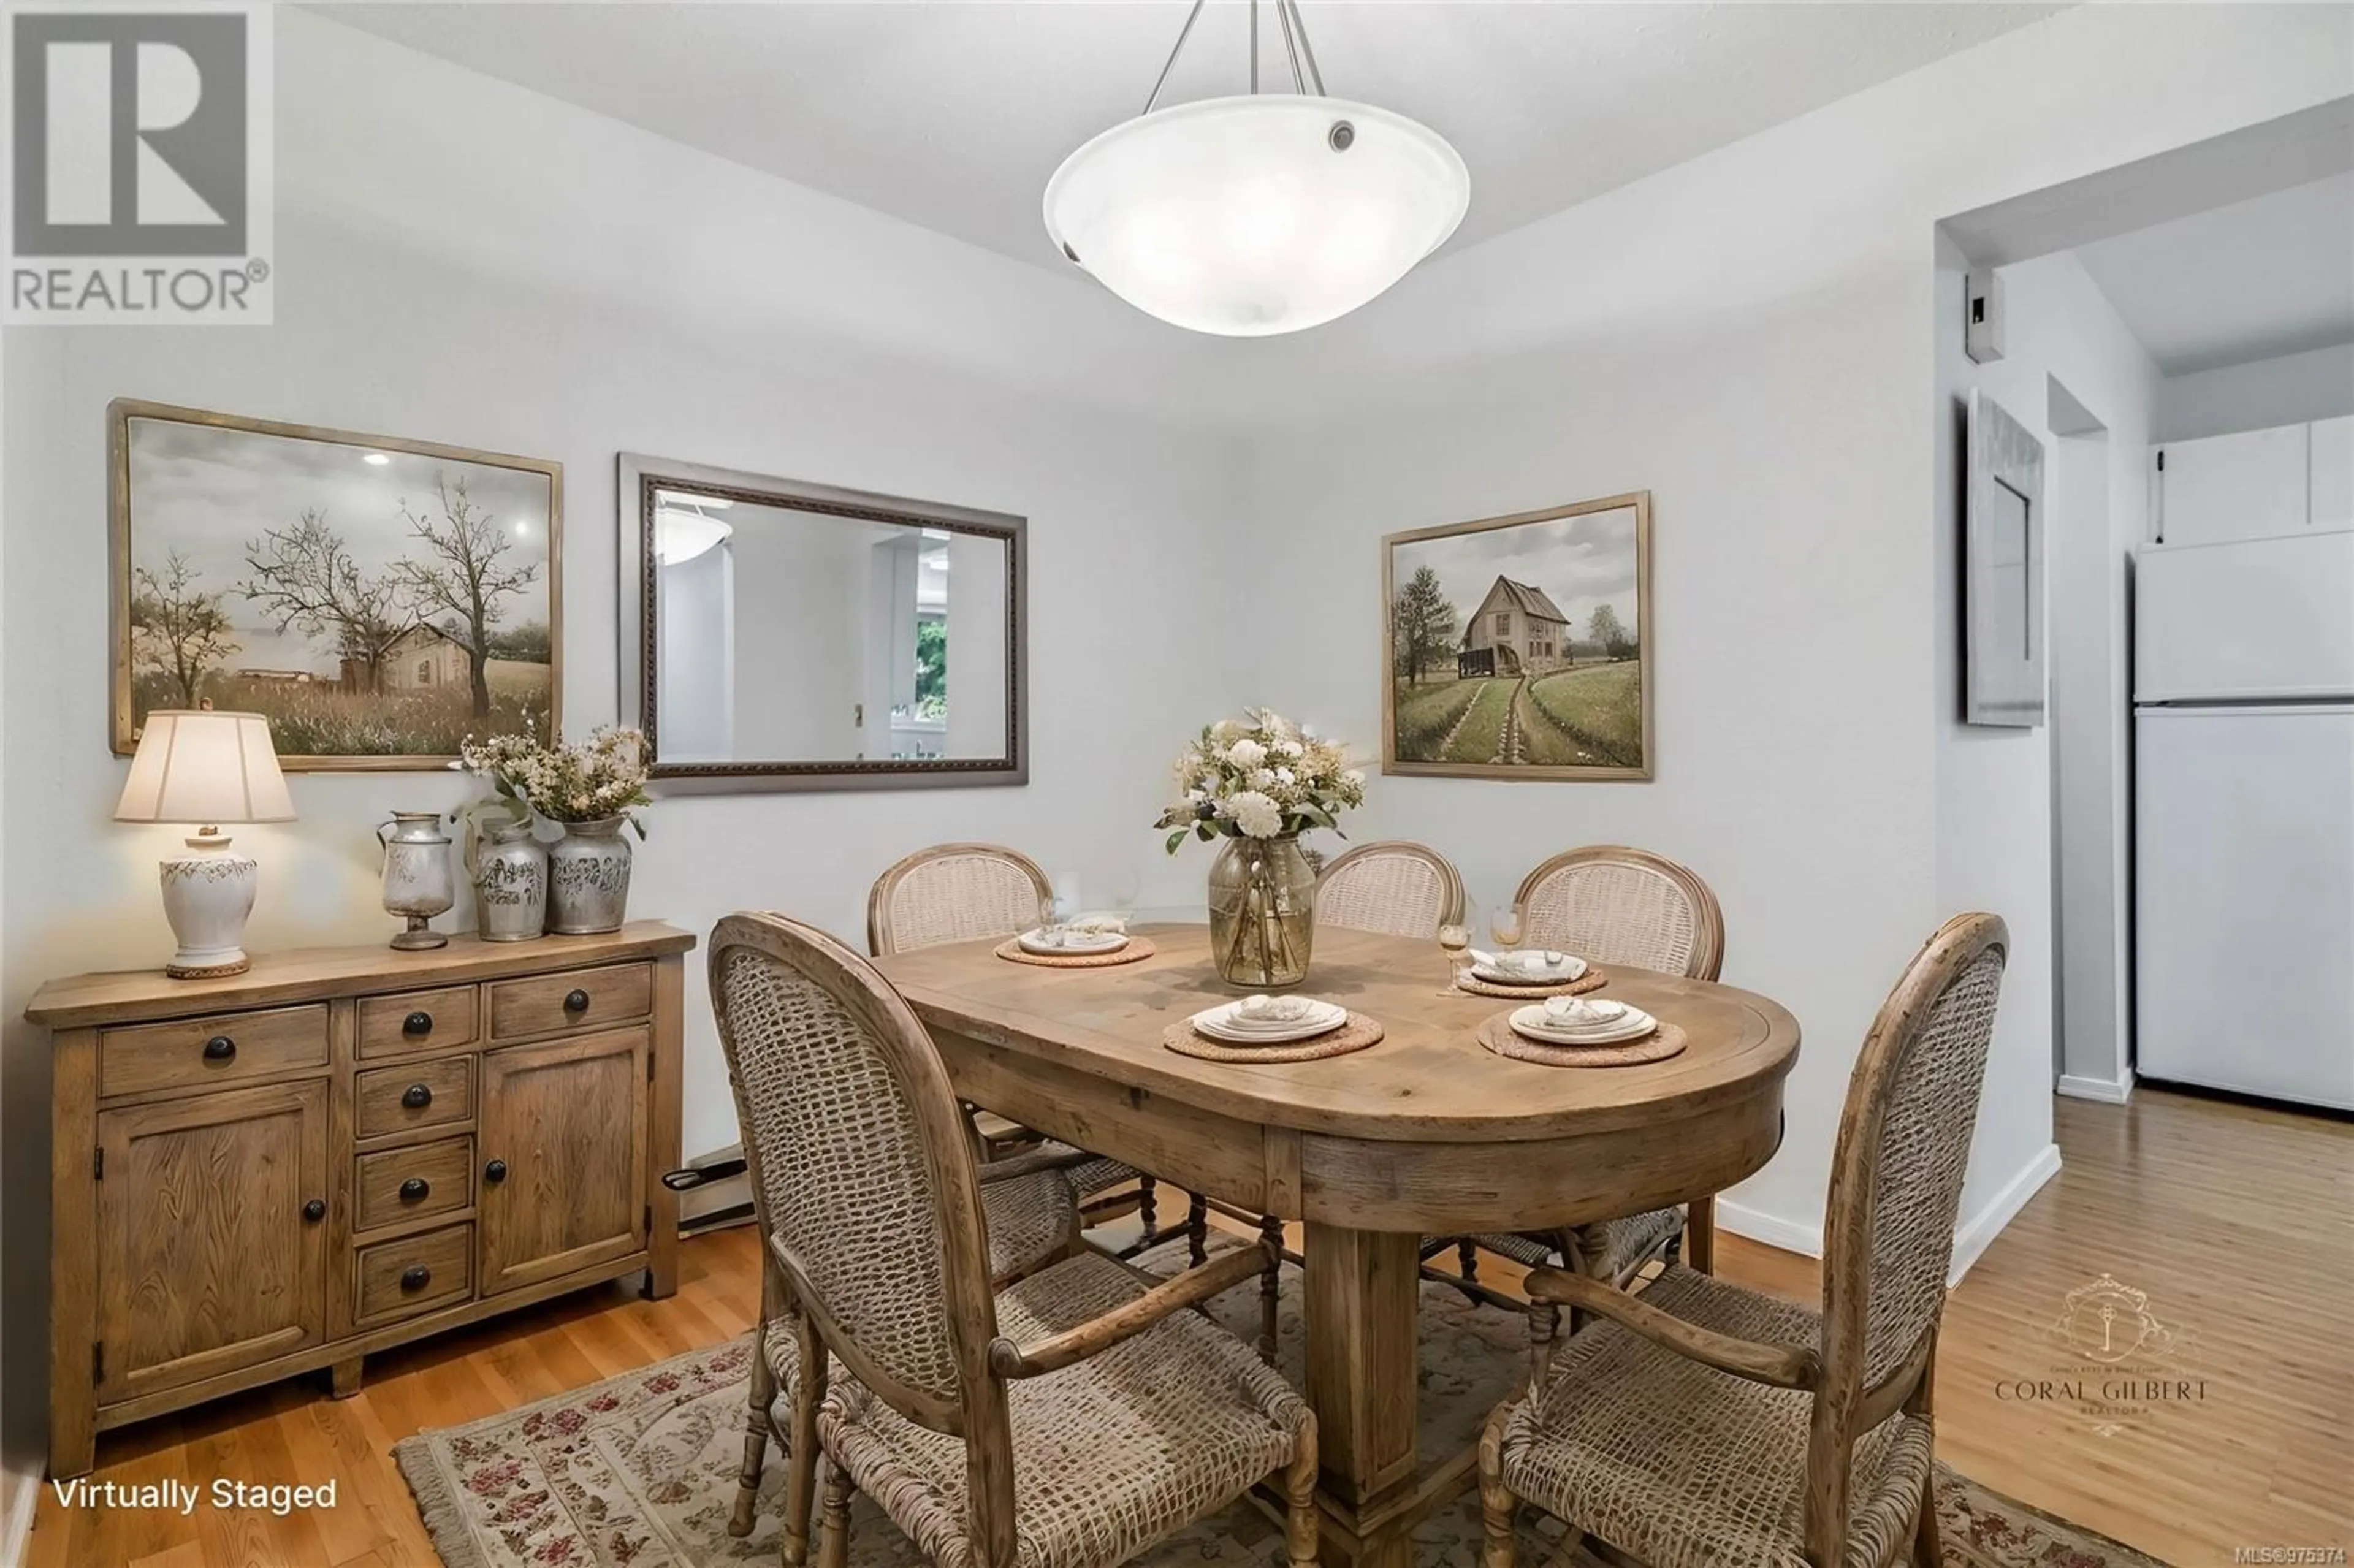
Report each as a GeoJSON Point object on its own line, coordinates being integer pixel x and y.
{"type": "Point", "coordinates": [1592, 715]}
{"type": "Point", "coordinates": [1422, 625]}
{"type": "Point", "coordinates": [1421, 719]}
{"type": "Point", "coordinates": [932, 668]}
{"type": "Point", "coordinates": [526, 644]}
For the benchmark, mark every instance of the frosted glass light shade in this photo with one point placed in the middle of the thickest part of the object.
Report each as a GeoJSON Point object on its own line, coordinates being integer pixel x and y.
{"type": "Point", "coordinates": [205, 767]}
{"type": "Point", "coordinates": [681, 535]}
{"type": "Point", "coordinates": [1239, 216]}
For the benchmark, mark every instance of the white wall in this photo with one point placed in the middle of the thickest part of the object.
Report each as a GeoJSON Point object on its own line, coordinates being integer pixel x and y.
{"type": "Point", "coordinates": [1749, 336]}
{"type": "Point", "coordinates": [2293, 389]}
{"type": "Point", "coordinates": [381, 326]}
{"type": "Point", "coordinates": [1996, 788]}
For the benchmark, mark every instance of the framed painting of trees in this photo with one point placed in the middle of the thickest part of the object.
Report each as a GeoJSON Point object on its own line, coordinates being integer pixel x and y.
{"type": "Point", "coordinates": [376, 599]}
{"type": "Point", "coordinates": [1519, 647]}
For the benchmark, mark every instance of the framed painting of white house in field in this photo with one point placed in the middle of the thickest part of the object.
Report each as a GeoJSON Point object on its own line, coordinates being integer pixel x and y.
{"type": "Point", "coordinates": [1519, 647]}
{"type": "Point", "coordinates": [376, 599]}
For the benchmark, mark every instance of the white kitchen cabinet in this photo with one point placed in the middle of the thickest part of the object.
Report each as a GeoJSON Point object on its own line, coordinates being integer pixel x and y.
{"type": "Point", "coordinates": [2333, 474]}
{"type": "Point", "coordinates": [2247, 486]}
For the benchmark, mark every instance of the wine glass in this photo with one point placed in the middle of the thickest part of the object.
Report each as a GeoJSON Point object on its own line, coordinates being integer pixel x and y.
{"type": "Point", "coordinates": [1504, 925]}
{"type": "Point", "coordinates": [1123, 886]}
{"type": "Point", "coordinates": [1454, 940]}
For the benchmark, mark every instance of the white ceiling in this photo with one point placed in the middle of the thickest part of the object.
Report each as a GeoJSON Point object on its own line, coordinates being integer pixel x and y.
{"type": "Point", "coordinates": [953, 115]}
{"type": "Point", "coordinates": [2269, 276]}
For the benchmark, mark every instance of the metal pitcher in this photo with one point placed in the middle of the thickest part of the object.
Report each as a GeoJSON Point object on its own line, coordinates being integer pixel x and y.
{"type": "Point", "coordinates": [417, 880]}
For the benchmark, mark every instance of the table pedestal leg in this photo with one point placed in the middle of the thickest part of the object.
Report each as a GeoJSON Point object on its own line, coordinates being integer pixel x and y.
{"type": "Point", "coordinates": [1363, 1291]}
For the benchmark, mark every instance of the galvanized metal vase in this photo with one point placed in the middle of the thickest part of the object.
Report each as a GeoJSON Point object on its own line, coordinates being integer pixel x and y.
{"type": "Point", "coordinates": [589, 877]}
{"type": "Point", "coordinates": [511, 883]}
{"type": "Point", "coordinates": [1262, 912]}
{"type": "Point", "coordinates": [417, 880]}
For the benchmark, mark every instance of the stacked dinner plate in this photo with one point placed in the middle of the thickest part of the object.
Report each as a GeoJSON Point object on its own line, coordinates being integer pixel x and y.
{"type": "Point", "coordinates": [1527, 965]}
{"type": "Point", "coordinates": [1269, 1019]}
{"type": "Point", "coordinates": [1574, 1020]}
{"type": "Point", "coordinates": [1078, 939]}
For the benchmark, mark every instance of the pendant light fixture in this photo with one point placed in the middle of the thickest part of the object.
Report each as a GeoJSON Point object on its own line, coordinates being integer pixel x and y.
{"type": "Point", "coordinates": [1251, 216]}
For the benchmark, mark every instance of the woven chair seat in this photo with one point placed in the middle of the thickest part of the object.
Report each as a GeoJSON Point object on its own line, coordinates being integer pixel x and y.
{"type": "Point", "coordinates": [1030, 1218]}
{"type": "Point", "coordinates": [1676, 1463]}
{"type": "Point", "coordinates": [1110, 1454]}
{"type": "Point", "coordinates": [1626, 1244]}
{"type": "Point", "coordinates": [1100, 1174]}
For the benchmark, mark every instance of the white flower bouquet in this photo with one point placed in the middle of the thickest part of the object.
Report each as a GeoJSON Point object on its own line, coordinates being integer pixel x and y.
{"type": "Point", "coordinates": [1264, 778]}
{"type": "Point", "coordinates": [602, 776]}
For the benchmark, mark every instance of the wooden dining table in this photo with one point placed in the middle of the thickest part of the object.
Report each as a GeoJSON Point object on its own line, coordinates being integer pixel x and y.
{"type": "Point", "coordinates": [1425, 1133]}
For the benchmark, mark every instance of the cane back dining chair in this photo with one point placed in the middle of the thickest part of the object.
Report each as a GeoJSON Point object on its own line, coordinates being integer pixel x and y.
{"type": "Point", "coordinates": [1393, 886]}
{"type": "Point", "coordinates": [916, 1381]}
{"type": "Point", "coordinates": [962, 892]}
{"type": "Point", "coordinates": [1698, 1422]}
{"type": "Point", "coordinates": [1617, 905]}
{"type": "Point", "coordinates": [1031, 1212]}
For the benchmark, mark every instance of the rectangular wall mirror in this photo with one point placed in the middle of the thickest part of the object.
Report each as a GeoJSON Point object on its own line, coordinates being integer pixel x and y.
{"type": "Point", "coordinates": [796, 636]}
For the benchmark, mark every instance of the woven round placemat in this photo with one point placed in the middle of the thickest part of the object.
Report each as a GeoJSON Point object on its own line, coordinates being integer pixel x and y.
{"type": "Point", "coordinates": [1594, 979]}
{"type": "Point", "coordinates": [1354, 1035]}
{"type": "Point", "coordinates": [1498, 1035]}
{"type": "Point", "coordinates": [1138, 948]}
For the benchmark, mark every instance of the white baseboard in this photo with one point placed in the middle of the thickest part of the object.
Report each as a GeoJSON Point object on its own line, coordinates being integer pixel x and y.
{"type": "Point", "coordinates": [21, 1496]}
{"type": "Point", "coordinates": [2100, 1089]}
{"type": "Point", "coordinates": [1971, 1237]}
{"type": "Point", "coordinates": [1772, 1229]}
{"type": "Point", "coordinates": [1977, 1232]}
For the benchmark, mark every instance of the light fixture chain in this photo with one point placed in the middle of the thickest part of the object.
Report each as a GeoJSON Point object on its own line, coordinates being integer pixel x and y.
{"type": "Point", "coordinates": [1171, 64]}
{"type": "Point", "coordinates": [1253, 32]}
{"type": "Point", "coordinates": [1290, 48]}
{"type": "Point", "coordinates": [1307, 49]}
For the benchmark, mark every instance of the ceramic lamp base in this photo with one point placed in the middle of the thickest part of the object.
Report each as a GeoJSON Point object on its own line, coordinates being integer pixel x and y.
{"type": "Point", "coordinates": [207, 896]}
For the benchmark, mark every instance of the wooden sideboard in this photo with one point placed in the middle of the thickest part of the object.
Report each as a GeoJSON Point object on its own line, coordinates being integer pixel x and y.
{"type": "Point", "coordinates": [342, 1149]}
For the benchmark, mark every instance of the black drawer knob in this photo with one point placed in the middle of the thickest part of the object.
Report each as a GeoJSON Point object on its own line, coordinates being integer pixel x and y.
{"type": "Point", "coordinates": [575, 1001]}
{"type": "Point", "coordinates": [416, 1277]}
{"type": "Point", "coordinates": [417, 1022]}
{"type": "Point", "coordinates": [221, 1048]}
{"type": "Point", "coordinates": [315, 1210]}
{"type": "Point", "coordinates": [417, 1097]}
{"type": "Point", "coordinates": [415, 1189]}
{"type": "Point", "coordinates": [496, 1170]}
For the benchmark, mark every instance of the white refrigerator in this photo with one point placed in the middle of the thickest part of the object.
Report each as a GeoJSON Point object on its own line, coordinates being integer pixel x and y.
{"type": "Point", "coordinates": [2243, 829]}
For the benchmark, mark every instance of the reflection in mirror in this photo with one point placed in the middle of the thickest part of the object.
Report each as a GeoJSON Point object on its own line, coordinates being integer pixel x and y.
{"type": "Point", "coordinates": [791, 633]}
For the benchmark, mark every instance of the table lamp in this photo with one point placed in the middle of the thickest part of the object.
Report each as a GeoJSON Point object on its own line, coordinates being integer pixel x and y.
{"type": "Point", "coordinates": [206, 767]}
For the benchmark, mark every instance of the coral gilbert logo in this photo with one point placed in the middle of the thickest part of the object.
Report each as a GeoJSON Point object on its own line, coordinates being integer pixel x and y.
{"type": "Point", "coordinates": [2121, 1364]}
{"type": "Point", "coordinates": [139, 161]}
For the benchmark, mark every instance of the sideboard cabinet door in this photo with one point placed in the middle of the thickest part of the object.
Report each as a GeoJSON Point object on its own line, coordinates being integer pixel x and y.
{"type": "Point", "coordinates": [210, 1254]}
{"type": "Point", "coordinates": [563, 1149]}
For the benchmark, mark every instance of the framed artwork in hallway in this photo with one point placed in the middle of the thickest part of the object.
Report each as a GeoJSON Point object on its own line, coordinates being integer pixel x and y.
{"type": "Point", "coordinates": [376, 599]}
{"type": "Point", "coordinates": [1519, 647]}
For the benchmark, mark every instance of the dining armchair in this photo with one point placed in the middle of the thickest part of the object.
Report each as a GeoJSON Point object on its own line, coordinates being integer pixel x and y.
{"type": "Point", "coordinates": [963, 893]}
{"type": "Point", "coordinates": [1069, 1420]}
{"type": "Point", "coordinates": [1031, 1212]}
{"type": "Point", "coordinates": [1700, 1422]}
{"type": "Point", "coordinates": [1614, 905]}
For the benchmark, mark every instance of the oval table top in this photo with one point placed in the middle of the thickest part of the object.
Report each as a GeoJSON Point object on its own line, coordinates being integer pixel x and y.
{"type": "Point", "coordinates": [1427, 1080]}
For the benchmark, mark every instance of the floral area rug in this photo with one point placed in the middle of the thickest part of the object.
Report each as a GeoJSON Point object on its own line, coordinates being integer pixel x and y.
{"type": "Point", "coordinates": [639, 1471]}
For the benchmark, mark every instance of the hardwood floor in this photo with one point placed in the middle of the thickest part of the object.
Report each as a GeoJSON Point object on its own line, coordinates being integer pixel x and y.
{"type": "Point", "coordinates": [2238, 1222]}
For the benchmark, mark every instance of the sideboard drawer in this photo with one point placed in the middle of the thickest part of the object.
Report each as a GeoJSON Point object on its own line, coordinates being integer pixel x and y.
{"type": "Point", "coordinates": [401, 1099]}
{"type": "Point", "coordinates": [194, 1053]}
{"type": "Point", "coordinates": [396, 1184]}
{"type": "Point", "coordinates": [575, 999]}
{"type": "Point", "coordinates": [402, 1277]}
{"type": "Point", "coordinates": [417, 1021]}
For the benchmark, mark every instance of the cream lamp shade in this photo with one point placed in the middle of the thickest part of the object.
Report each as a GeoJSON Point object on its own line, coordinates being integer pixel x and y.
{"type": "Point", "coordinates": [206, 767]}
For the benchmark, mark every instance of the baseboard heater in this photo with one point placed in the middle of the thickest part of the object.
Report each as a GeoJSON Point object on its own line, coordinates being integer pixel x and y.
{"type": "Point", "coordinates": [713, 1190]}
